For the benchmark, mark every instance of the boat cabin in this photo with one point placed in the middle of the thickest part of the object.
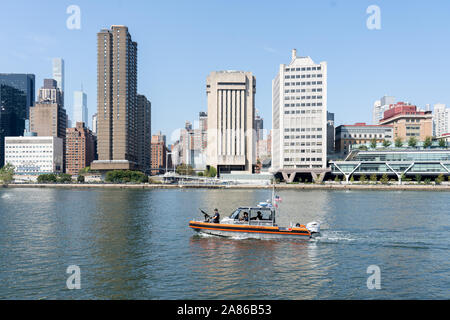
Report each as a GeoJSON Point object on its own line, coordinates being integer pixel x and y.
{"type": "Point", "coordinates": [256, 216]}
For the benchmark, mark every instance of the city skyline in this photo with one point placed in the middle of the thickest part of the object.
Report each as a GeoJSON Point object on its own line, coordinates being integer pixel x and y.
{"type": "Point", "coordinates": [363, 64]}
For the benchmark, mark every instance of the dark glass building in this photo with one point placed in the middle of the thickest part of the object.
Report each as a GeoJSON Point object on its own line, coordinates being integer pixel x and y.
{"type": "Point", "coordinates": [16, 98]}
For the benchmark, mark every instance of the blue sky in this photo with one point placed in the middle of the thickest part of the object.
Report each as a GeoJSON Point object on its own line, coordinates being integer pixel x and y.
{"type": "Point", "coordinates": [180, 42]}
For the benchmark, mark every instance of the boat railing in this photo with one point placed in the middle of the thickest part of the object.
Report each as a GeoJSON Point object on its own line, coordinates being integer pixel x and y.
{"type": "Point", "coordinates": [261, 223]}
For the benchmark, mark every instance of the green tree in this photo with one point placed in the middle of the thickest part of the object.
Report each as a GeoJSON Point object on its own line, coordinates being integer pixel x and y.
{"type": "Point", "coordinates": [352, 179]}
{"type": "Point", "coordinates": [373, 143]}
{"type": "Point", "coordinates": [384, 179]}
{"type": "Point", "coordinates": [336, 179]}
{"type": "Point", "coordinates": [185, 170]}
{"type": "Point", "coordinates": [80, 178]}
{"type": "Point", "coordinates": [442, 143]}
{"type": "Point", "coordinates": [211, 172]}
{"type": "Point", "coordinates": [362, 178]}
{"type": "Point", "coordinates": [85, 170]}
{"type": "Point", "coordinates": [386, 143]}
{"type": "Point", "coordinates": [428, 142]}
{"type": "Point", "coordinates": [398, 142]}
{"type": "Point", "coordinates": [125, 176]}
{"type": "Point", "coordinates": [64, 178]}
{"type": "Point", "coordinates": [373, 177]}
{"type": "Point", "coordinates": [47, 178]}
{"type": "Point", "coordinates": [412, 142]}
{"type": "Point", "coordinates": [418, 178]}
{"type": "Point", "coordinates": [440, 178]}
{"type": "Point", "coordinates": [7, 173]}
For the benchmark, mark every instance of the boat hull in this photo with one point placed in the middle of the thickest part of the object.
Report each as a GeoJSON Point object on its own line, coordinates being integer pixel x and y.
{"type": "Point", "coordinates": [249, 231]}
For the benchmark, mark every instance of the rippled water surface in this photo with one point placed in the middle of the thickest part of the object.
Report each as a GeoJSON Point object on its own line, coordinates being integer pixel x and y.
{"type": "Point", "coordinates": [136, 244]}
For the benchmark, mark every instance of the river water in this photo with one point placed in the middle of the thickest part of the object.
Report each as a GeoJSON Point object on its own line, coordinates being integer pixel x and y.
{"type": "Point", "coordinates": [136, 244]}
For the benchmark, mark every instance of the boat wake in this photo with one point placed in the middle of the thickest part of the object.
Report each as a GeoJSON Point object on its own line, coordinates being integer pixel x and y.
{"type": "Point", "coordinates": [334, 236]}
{"type": "Point", "coordinates": [206, 235]}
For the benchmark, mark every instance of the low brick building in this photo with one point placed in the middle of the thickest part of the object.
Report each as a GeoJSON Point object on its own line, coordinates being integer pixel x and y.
{"type": "Point", "coordinates": [408, 122]}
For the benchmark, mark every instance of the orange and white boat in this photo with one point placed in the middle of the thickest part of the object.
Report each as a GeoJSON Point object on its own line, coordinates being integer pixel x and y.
{"type": "Point", "coordinates": [254, 222]}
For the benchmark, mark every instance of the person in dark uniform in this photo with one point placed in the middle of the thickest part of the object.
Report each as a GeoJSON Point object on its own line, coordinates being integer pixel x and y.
{"type": "Point", "coordinates": [245, 217]}
{"type": "Point", "coordinates": [216, 217]}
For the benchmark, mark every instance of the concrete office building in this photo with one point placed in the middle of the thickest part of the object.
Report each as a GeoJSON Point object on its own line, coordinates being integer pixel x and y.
{"type": "Point", "coordinates": [299, 119]}
{"type": "Point", "coordinates": [34, 155]}
{"type": "Point", "coordinates": [231, 118]}
{"type": "Point", "coordinates": [441, 120]}
{"type": "Point", "coordinates": [48, 116]}
{"type": "Point", "coordinates": [117, 143]}
{"type": "Point", "coordinates": [50, 93]}
{"type": "Point", "coordinates": [80, 148]}
{"type": "Point", "coordinates": [408, 121]}
{"type": "Point", "coordinates": [16, 98]}
{"type": "Point", "coordinates": [80, 109]}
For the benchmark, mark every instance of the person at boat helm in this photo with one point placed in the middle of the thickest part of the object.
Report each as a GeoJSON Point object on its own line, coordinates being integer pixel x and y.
{"type": "Point", "coordinates": [258, 216]}
{"type": "Point", "coordinates": [245, 217]}
{"type": "Point", "coordinates": [216, 217]}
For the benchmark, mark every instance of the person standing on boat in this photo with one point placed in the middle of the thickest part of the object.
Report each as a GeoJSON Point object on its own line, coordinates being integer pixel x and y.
{"type": "Point", "coordinates": [216, 217]}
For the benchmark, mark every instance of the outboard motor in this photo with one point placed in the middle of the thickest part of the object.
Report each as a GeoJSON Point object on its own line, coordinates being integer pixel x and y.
{"type": "Point", "coordinates": [313, 227]}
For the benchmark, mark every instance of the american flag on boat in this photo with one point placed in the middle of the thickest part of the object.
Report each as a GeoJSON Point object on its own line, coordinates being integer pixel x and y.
{"type": "Point", "coordinates": [278, 199]}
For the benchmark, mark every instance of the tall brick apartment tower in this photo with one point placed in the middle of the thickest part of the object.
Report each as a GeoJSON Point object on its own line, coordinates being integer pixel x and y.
{"type": "Point", "coordinates": [117, 143]}
{"type": "Point", "coordinates": [144, 133]}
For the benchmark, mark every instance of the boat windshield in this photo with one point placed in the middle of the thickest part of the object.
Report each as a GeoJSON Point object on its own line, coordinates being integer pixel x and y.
{"type": "Point", "coordinates": [235, 214]}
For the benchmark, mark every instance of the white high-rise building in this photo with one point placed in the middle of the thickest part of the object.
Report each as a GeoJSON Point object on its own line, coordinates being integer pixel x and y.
{"type": "Point", "coordinates": [379, 107]}
{"type": "Point", "coordinates": [441, 120]}
{"type": "Point", "coordinates": [58, 74]}
{"type": "Point", "coordinates": [299, 116]}
{"type": "Point", "coordinates": [80, 110]}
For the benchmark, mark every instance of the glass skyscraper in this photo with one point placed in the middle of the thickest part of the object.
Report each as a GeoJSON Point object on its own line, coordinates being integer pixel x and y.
{"type": "Point", "coordinates": [58, 74]}
{"type": "Point", "coordinates": [16, 97]}
{"type": "Point", "coordinates": [80, 110]}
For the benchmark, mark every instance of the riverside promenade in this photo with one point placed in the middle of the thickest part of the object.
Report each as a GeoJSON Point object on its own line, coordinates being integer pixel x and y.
{"type": "Point", "coordinates": [300, 186]}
